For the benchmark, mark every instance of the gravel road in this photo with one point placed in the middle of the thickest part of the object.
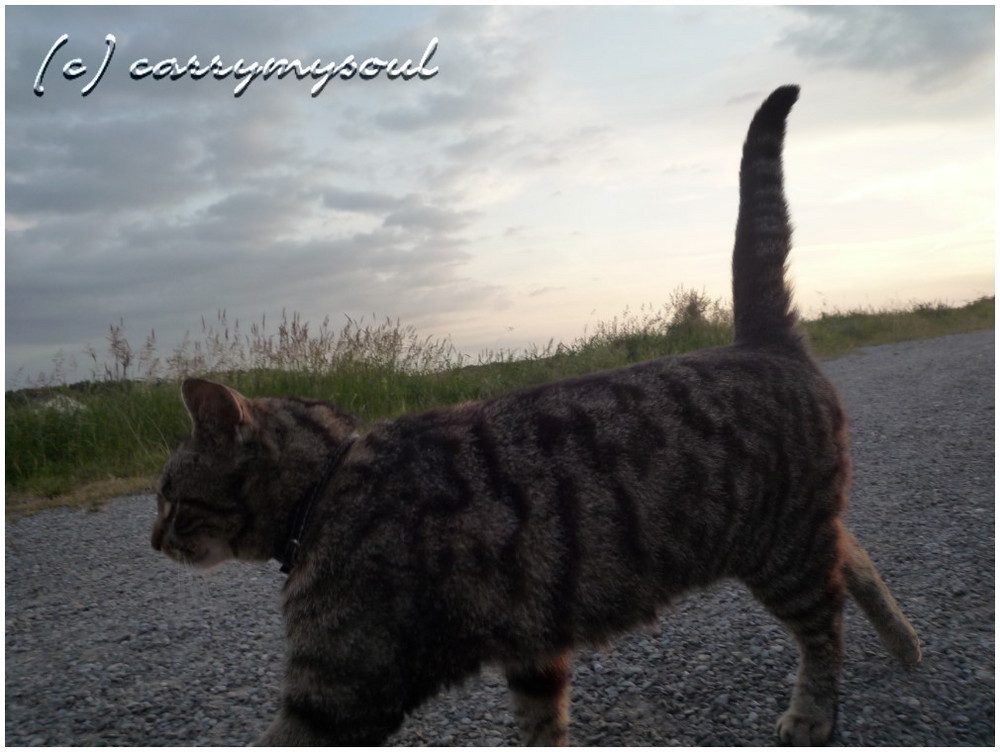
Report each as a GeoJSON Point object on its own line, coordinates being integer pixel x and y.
{"type": "Point", "coordinates": [109, 643]}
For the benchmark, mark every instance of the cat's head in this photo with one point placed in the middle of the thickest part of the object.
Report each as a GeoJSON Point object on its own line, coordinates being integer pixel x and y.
{"type": "Point", "coordinates": [226, 492]}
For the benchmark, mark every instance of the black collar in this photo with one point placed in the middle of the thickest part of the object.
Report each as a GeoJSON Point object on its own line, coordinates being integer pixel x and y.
{"type": "Point", "coordinates": [288, 553]}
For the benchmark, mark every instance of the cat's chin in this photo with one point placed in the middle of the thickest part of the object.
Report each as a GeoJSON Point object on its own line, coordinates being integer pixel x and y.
{"type": "Point", "coordinates": [207, 557]}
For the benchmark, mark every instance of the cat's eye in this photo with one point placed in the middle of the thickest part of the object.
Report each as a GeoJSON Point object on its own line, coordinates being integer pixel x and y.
{"type": "Point", "coordinates": [186, 525]}
{"type": "Point", "coordinates": [210, 507]}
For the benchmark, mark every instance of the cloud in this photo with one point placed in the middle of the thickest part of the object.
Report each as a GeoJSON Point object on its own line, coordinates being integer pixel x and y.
{"type": "Point", "coordinates": [430, 218]}
{"type": "Point", "coordinates": [934, 44]}
{"type": "Point", "coordinates": [543, 291]}
{"type": "Point", "coordinates": [57, 290]}
{"type": "Point", "coordinates": [487, 99]}
{"type": "Point", "coordinates": [409, 212]}
{"type": "Point", "coordinates": [490, 77]}
{"type": "Point", "coordinates": [365, 202]}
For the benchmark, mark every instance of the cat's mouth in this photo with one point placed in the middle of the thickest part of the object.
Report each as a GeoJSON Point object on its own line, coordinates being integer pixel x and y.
{"type": "Point", "coordinates": [204, 556]}
{"type": "Point", "coordinates": [180, 555]}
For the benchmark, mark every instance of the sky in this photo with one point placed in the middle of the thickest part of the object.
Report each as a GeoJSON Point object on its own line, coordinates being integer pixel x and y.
{"type": "Point", "coordinates": [541, 171]}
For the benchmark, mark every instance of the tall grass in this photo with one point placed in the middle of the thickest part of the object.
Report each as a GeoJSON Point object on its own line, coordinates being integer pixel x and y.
{"type": "Point", "coordinates": [124, 421]}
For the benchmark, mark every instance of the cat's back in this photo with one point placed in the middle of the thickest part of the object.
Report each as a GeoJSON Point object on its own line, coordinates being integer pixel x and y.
{"type": "Point", "coordinates": [733, 385]}
{"type": "Point", "coordinates": [713, 429]}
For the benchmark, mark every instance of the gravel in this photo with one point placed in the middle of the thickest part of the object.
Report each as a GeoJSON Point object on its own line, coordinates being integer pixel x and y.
{"type": "Point", "coordinates": [108, 643]}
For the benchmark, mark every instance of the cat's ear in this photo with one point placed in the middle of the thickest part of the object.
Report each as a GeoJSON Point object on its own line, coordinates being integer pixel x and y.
{"type": "Point", "coordinates": [217, 411]}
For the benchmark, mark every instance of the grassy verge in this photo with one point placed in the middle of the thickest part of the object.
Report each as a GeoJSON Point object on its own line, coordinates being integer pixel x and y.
{"type": "Point", "coordinates": [71, 445]}
{"type": "Point", "coordinates": [837, 334]}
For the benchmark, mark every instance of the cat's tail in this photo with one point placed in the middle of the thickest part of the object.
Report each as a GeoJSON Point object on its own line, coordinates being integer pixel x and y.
{"type": "Point", "coordinates": [762, 301]}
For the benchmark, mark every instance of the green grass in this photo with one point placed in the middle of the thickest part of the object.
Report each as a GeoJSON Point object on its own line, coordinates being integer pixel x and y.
{"type": "Point", "coordinates": [68, 445]}
{"type": "Point", "coordinates": [840, 333]}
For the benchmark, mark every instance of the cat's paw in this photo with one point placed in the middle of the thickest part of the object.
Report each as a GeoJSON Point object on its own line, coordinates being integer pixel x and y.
{"type": "Point", "coordinates": [902, 643]}
{"type": "Point", "coordinates": [802, 729]}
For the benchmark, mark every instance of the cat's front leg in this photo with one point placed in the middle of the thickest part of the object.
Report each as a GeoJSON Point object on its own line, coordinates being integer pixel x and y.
{"type": "Point", "coordinates": [299, 725]}
{"type": "Point", "coordinates": [286, 731]}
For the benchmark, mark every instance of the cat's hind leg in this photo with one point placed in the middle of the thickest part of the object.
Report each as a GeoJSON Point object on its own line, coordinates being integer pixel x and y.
{"type": "Point", "coordinates": [873, 596]}
{"type": "Point", "coordinates": [540, 695]}
{"type": "Point", "coordinates": [806, 592]}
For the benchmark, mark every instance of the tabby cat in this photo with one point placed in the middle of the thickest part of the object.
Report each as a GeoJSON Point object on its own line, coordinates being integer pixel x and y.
{"type": "Point", "coordinates": [512, 530]}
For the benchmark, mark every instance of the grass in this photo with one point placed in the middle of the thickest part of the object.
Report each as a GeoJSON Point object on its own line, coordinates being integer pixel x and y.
{"type": "Point", "coordinates": [837, 334]}
{"type": "Point", "coordinates": [72, 445]}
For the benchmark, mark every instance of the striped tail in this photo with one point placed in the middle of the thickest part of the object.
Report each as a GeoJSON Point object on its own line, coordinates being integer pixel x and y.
{"type": "Point", "coordinates": [762, 302]}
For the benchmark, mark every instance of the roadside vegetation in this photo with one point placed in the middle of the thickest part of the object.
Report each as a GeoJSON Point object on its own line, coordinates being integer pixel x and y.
{"type": "Point", "coordinates": [109, 435]}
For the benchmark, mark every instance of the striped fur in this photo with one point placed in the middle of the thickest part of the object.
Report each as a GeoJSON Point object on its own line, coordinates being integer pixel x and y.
{"type": "Point", "coordinates": [510, 531]}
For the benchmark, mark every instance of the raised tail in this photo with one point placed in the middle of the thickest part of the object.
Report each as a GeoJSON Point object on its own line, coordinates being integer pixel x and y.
{"type": "Point", "coordinates": [762, 302]}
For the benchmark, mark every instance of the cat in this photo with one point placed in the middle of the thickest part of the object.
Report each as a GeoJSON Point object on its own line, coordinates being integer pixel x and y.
{"type": "Point", "coordinates": [510, 531]}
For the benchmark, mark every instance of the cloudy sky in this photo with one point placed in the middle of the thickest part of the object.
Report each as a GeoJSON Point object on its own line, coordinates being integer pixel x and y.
{"type": "Point", "coordinates": [561, 164]}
